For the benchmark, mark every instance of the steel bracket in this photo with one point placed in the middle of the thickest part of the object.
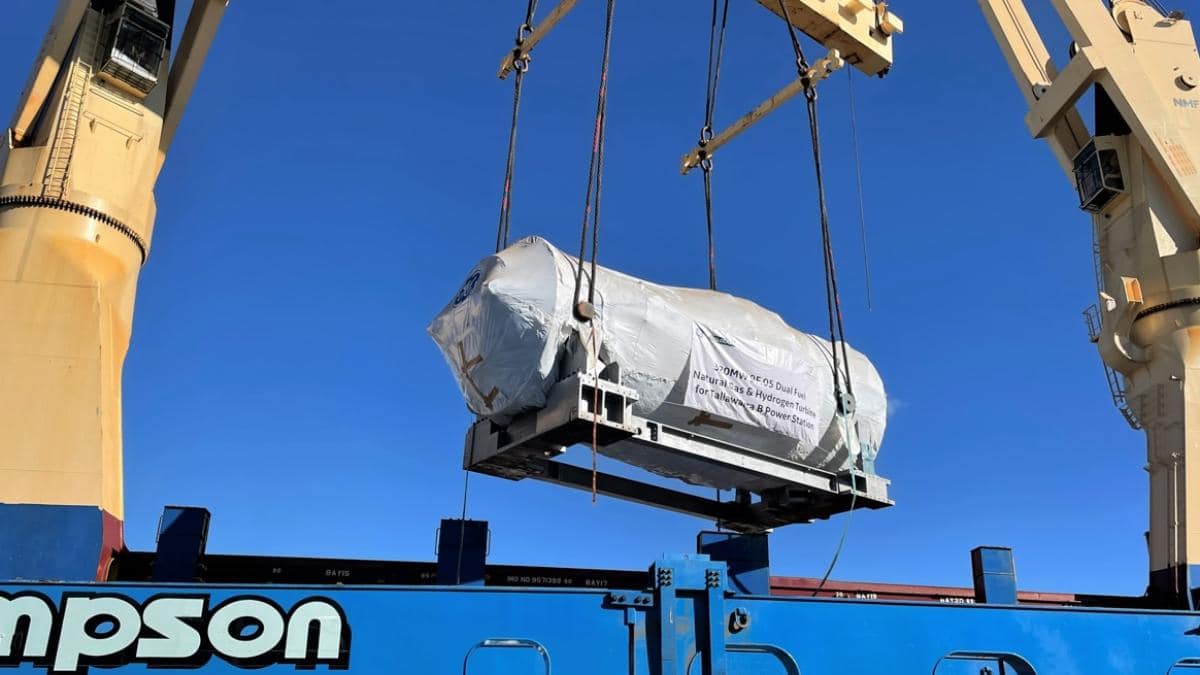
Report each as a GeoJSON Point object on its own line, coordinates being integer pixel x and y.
{"type": "Point", "coordinates": [623, 599]}
{"type": "Point", "coordinates": [697, 579]}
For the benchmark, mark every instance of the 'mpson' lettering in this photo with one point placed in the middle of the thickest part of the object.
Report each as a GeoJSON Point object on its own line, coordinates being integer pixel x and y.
{"type": "Point", "coordinates": [169, 632]}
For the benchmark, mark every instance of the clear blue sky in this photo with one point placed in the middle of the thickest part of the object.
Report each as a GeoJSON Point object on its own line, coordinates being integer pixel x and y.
{"type": "Point", "coordinates": [338, 174]}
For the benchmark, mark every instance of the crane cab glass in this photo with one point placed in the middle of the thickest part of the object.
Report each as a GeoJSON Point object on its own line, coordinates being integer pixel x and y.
{"type": "Point", "coordinates": [1098, 176]}
{"type": "Point", "coordinates": [133, 47]}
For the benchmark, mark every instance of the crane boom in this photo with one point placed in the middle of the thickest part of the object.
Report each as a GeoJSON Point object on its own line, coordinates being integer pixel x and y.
{"type": "Point", "coordinates": [1034, 70]}
{"type": "Point", "coordinates": [1136, 174]}
{"type": "Point", "coordinates": [67, 17]}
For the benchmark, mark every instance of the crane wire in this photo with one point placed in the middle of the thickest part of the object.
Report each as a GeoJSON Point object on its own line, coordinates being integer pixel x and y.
{"type": "Point", "coordinates": [833, 298]}
{"type": "Point", "coordinates": [591, 205]}
{"type": "Point", "coordinates": [862, 208]}
{"type": "Point", "coordinates": [837, 329]}
{"type": "Point", "coordinates": [716, 52]}
{"type": "Point", "coordinates": [520, 65]}
{"type": "Point", "coordinates": [837, 551]}
{"type": "Point", "coordinates": [462, 529]}
{"type": "Point", "coordinates": [591, 220]}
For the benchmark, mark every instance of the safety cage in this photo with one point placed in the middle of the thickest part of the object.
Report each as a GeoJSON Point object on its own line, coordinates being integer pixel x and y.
{"type": "Point", "coordinates": [132, 47]}
{"type": "Point", "coordinates": [1098, 175]}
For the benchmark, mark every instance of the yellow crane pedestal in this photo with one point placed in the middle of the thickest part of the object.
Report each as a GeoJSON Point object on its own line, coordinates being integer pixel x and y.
{"type": "Point", "coordinates": [77, 170]}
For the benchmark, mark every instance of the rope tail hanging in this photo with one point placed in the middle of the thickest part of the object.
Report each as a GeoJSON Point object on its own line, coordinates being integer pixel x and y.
{"type": "Point", "coordinates": [837, 330]}
{"type": "Point", "coordinates": [858, 174]}
{"type": "Point", "coordinates": [585, 311]}
{"type": "Point", "coordinates": [837, 333]}
{"type": "Point", "coordinates": [520, 65]}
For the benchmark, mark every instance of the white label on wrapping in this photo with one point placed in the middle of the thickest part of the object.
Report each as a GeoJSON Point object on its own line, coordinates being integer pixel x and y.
{"type": "Point", "coordinates": [751, 383]}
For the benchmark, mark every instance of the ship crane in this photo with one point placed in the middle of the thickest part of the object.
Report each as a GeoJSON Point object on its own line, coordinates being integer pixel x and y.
{"type": "Point", "coordinates": [77, 170]}
{"type": "Point", "coordinates": [78, 165]}
{"type": "Point", "coordinates": [1136, 174]}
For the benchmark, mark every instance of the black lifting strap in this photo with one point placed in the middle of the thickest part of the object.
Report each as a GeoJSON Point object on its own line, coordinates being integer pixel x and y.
{"type": "Point", "coordinates": [585, 311]}
{"type": "Point", "coordinates": [520, 65]}
{"type": "Point", "coordinates": [716, 50]}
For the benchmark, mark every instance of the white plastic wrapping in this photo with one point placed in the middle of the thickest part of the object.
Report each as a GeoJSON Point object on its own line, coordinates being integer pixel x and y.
{"type": "Point", "coordinates": [722, 365]}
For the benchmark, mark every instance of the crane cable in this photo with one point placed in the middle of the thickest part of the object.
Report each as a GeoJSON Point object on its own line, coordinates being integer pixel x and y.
{"type": "Point", "coordinates": [586, 311]}
{"type": "Point", "coordinates": [520, 65]}
{"type": "Point", "coordinates": [716, 50]}
{"type": "Point", "coordinates": [862, 208]}
{"type": "Point", "coordinates": [837, 330]}
{"type": "Point", "coordinates": [521, 60]}
{"type": "Point", "coordinates": [591, 203]}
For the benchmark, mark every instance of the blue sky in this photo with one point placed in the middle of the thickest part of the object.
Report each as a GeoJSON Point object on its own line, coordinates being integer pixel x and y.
{"type": "Point", "coordinates": [338, 174]}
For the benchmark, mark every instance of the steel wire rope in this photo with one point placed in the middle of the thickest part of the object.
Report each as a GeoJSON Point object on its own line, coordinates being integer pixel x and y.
{"type": "Point", "coordinates": [862, 208]}
{"type": "Point", "coordinates": [593, 192]}
{"type": "Point", "coordinates": [520, 66]}
{"type": "Point", "coordinates": [837, 331]}
{"type": "Point", "coordinates": [832, 296]}
{"type": "Point", "coordinates": [586, 312]}
{"type": "Point", "coordinates": [716, 52]}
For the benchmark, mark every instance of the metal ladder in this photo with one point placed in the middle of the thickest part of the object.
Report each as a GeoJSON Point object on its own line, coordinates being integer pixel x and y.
{"type": "Point", "coordinates": [63, 150]}
{"type": "Point", "coordinates": [1116, 386]}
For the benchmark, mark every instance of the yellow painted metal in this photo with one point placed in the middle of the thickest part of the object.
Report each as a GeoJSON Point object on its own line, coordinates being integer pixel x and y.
{"type": "Point", "coordinates": [821, 71]}
{"type": "Point", "coordinates": [77, 213]}
{"type": "Point", "coordinates": [50, 58]}
{"type": "Point", "coordinates": [536, 35]}
{"type": "Point", "coordinates": [1148, 238]}
{"type": "Point", "coordinates": [860, 30]}
{"type": "Point", "coordinates": [1034, 70]}
{"type": "Point", "coordinates": [193, 49]}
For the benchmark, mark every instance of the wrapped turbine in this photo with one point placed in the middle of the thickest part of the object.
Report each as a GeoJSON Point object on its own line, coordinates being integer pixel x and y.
{"type": "Point", "coordinates": [697, 359]}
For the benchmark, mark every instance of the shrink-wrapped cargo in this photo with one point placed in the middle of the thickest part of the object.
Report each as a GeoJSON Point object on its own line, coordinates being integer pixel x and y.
{"type": "Point", "coordinates": [696, 358]}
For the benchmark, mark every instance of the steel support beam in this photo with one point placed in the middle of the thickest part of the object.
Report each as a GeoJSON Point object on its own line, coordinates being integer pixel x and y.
{"type": "Point", "coordinates": [197, 38]}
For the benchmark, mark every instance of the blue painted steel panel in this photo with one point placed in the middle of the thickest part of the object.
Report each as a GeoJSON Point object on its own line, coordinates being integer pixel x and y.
{"type": "Point", "coordinates": [490, 630]}
{"type": "Point", "coordinates": [995, 575]}
{"type": "Point", "coordinates": [462, 552]}
{"type": "Point", "coordinates": [747, 555]}
{"type": "Point", "coordinates": [182, 539]}
{"type": "Point", "coordinates": [60, 543]}
{"type": "Point", "coordinates": [1176, 586]}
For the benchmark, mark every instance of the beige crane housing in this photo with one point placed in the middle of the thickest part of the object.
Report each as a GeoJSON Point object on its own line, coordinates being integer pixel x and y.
{"type": "Point", "coordinates": [1136, 174]}
{"type": "Point", "coordinates": [78, 165]}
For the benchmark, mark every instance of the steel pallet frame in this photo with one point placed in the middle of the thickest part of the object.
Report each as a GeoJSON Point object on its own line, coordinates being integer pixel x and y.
{"type": "Point", "coordinates": [530, 445]}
